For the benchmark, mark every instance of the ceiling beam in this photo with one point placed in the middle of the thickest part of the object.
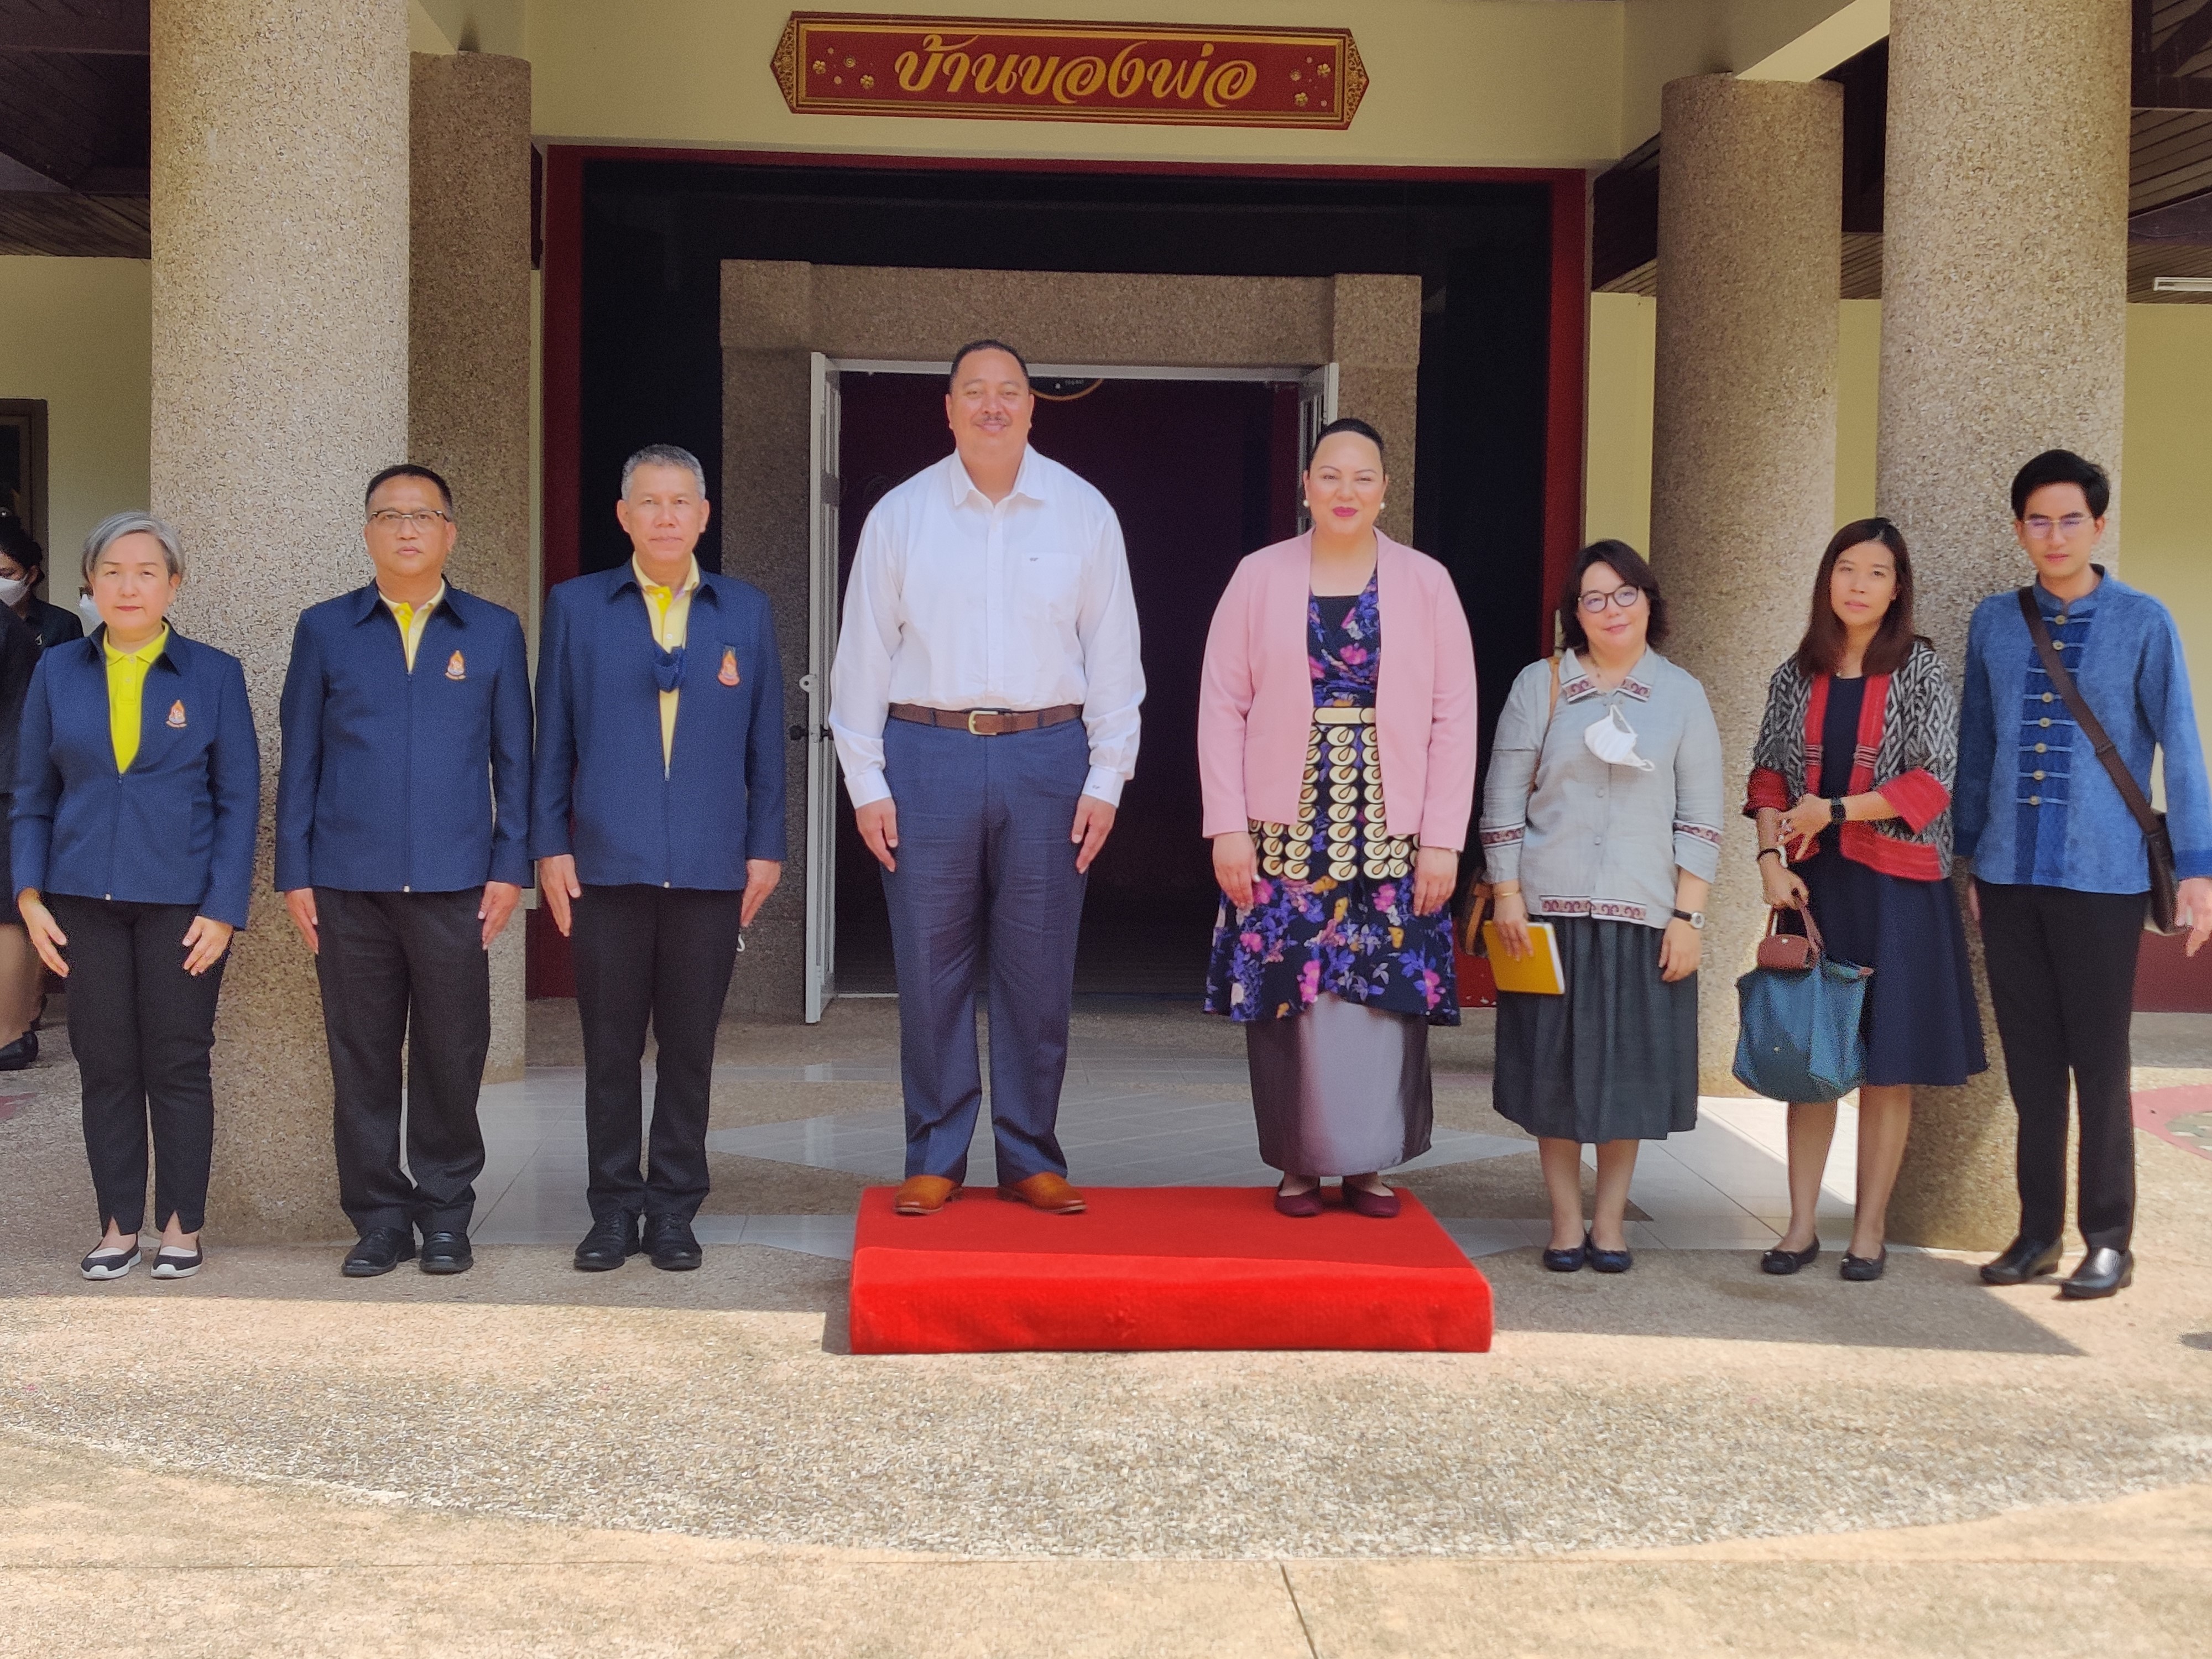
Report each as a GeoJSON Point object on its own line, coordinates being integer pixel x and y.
{"type": "Point", "coordinates": [98, 27]}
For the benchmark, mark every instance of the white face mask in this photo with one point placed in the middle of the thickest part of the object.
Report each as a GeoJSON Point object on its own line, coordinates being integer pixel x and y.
{"type": "Point", "coordinates": [1612, 740]}
{"type": "Point", "coordinates": [12, 588]}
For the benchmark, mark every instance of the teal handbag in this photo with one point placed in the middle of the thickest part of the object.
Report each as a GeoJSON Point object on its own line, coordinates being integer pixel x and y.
{"type": "Point", "coordinates": [1800, 1013]}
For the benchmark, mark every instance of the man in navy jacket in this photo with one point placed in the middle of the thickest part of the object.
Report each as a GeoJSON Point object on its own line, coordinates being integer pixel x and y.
{"type": "Point", "coordinates": [403, 806]}
{"type": "Point", "coordinates": [658, 823]}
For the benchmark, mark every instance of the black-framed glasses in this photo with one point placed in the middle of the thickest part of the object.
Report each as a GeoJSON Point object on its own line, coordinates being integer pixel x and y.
{"type": "Point", "coordinates": [391, 519]}
{"type": "Point", "coordinates": [1625, 596]}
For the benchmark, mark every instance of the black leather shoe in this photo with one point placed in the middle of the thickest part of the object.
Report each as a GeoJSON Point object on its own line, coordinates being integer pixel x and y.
{"type": "Point", "coordinates": [381, 1250]}
{"type": "Point", "coordinates": [1779, 1260]}
{"type": "Point", "coordinates": [1568, 1260]}
{"type": "Point", "coordinates": [2101, 1273]}
{"type": "Point", "coordinates": [2023, 1259]}
{"type": "Point", "coordinates": [611, 1242]}
{"type": "Point", "coordinates": [1606, 1261]}
{"type": "Point", "coordinates": [21, 1054]}
{"type": "Point", "coordinates": [446, 1253]}
{"type": "Point", "coordinates": [1864, 1269]}
{"type": "Point", "coordinates": [671, 1242]}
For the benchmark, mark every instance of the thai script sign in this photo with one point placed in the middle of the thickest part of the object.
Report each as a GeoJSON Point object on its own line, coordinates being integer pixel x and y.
{"type": "Point", "coordinates": [994, 68]}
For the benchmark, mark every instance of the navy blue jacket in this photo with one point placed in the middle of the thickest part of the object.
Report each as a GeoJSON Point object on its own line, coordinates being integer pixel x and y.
{"type": "Point", "coordinates": [177, 827]}
{"type": "Point", "coordinates": [393, 782]}
{"type": "Point", "coordinates": [600, 792]}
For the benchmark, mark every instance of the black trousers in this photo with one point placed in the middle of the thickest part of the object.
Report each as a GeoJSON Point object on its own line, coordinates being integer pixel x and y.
{"type": "Point", "coordinates": [662, 955]}
{"type": "Point", "coordinates": [142, 1029]}
{"type": "Point", "coordinates": [2062, 967]}
{"type": "Point", "coordinates": [405, 968]}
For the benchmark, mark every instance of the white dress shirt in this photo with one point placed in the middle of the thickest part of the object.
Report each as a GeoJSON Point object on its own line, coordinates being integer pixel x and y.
{"type": "Point", "coordinates": [957, 602]}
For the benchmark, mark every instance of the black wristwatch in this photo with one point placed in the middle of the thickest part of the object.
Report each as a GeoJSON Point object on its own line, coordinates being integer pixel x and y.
{"type": "Point", "coordinates": [1695, 918]}
{"type": "Point", "coordinates": [1835, 809]}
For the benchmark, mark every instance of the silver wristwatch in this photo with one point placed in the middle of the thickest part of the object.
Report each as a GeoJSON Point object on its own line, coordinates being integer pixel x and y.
{"type": "Point", "coordinates": [1695, 918]}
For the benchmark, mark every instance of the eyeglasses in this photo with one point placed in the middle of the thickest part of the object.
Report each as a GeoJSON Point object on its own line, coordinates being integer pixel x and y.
{"type": "Point", "coordinates": [2072, 524]}
{"type": "Point", "coordinates": [1624, 596]}
{"type": "Point", "coordinates": [426, 519]}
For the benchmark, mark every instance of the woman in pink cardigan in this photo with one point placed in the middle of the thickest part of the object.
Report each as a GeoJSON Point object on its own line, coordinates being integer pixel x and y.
{"type": "Point", "coordinates": [1336, 749]}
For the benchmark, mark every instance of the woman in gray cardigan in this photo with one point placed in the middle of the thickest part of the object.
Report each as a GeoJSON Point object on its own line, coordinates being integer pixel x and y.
{"type": "Point", "coordinates": [1601, 817]}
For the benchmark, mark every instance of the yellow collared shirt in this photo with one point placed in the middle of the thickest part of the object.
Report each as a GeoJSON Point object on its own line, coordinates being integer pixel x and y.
{"type": "Point", "coordinates": [669, 610]}
{"type": "Point", "coordinates": [126, 694]}
{"type": "Point", "coordinates": [412, 619]}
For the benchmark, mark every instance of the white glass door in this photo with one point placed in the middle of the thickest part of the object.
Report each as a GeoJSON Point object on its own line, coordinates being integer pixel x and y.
{"type": "Point", "coordinates": [822, 648]}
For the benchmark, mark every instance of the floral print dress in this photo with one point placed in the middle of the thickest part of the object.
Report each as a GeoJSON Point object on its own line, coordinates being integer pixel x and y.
{"type": "Point", "coordinates": [1358, 937]}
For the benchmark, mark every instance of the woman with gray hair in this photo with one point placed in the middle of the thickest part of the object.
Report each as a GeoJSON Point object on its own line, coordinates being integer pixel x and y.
{"type": "Point", "coordinates": [137, 792]}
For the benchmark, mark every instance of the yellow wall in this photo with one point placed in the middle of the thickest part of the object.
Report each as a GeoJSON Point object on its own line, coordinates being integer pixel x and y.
{"type": "Point", "coordinates": [1858, 375]}
{"type": "Point", "coordinates": [79, 333]}
{"type": "Point", "coordinates": [2166, 486]}
{"type": "Point", "coordinates": [1617, 465]}
{"type": "Point", "coordinates": [1505, 83]}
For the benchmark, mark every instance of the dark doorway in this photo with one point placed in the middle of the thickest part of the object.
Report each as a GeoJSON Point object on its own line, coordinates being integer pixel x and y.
{"type": "Point", "coordinates": [1199, 472]}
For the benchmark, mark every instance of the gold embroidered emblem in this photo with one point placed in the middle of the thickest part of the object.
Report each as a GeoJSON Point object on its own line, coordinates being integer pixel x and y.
{"type": "Point", "coordinates": [455, 668]}
{"type": "Point", "coordinates": [729, 674]}
{"type": "Point", "coordinates": [177, 715]}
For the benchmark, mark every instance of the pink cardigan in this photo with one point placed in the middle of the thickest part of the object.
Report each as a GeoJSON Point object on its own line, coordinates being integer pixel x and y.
{"type": "Point", "coordinates": [1255, 695]}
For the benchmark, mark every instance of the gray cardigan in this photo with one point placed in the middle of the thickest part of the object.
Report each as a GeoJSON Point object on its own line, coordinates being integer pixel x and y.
{"type": "Point", "coordinates": [1593, 839]}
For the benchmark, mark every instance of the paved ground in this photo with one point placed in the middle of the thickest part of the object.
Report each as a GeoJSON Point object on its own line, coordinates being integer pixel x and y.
{"type": "Point", "coordinates": [1692, 1458]}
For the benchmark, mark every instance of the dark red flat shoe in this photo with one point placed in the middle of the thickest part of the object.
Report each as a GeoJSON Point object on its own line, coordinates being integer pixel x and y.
{"type": "Point", "coordinates": [1381, 1206]}
{"type": "Point", "coordinates": [1301, 1205]}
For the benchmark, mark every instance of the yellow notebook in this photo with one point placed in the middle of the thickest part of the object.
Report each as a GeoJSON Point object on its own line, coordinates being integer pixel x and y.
{"type": "Point", "coordinates": [1538, 973]}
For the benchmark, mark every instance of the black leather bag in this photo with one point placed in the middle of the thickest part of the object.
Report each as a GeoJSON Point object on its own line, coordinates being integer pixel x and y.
{"type": "Point", "coordinates": [2159, 844]}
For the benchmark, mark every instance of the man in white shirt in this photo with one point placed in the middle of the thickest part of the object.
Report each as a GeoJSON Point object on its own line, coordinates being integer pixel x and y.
{"type": "Point", "coordinates": [984, 703]}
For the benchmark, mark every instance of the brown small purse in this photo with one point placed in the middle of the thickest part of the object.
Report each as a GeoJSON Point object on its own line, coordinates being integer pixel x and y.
{"type": "Point", "coordinates": [1790, 953]}
{"type": "Point", "coordinates": [1482, 894]}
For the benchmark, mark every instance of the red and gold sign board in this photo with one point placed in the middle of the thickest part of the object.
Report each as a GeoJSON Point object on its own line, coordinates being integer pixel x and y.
{"type": "Point", "coordinates": [993, 68]}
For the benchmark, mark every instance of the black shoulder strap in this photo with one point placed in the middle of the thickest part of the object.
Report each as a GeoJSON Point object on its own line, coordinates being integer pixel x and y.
{"type": "Point", "coordinates": [2123, 780]}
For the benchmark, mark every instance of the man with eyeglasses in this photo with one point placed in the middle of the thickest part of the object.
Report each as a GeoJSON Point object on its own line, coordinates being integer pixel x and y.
{"type": "Point", "coordinates": [2061, 866]}
{"type": "Point", "coordinates": [403, 834]}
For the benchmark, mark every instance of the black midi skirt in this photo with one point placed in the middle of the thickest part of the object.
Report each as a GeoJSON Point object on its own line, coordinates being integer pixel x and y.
{"type": "Point", "coordinates": [1615, 1057]}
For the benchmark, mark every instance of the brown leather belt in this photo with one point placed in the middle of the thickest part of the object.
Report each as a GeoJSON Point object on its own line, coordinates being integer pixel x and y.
{"type": "Point", "coordinates": [987, 722]}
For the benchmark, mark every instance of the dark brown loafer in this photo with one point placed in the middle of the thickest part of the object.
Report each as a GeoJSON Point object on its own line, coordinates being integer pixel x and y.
{"type": "Point", "coordinates": [1045, 1191]}
{"type": "Point", "coordinates": [924, 1195]}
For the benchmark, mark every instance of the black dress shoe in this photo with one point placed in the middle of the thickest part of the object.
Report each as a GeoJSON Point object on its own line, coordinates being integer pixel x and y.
{"type": "Point", "coordinates": [1568, 1260]}
{"type": "Point", "coordinates": [611, 1242]}
{"type": "Point", "coordinates": [2101, 1273]}
{"type": "Point", "coordinates": [1779, 1260]}
{"type": "Point", "coordinates": [1606, 1261]}
{"type": "Point", "coordinates": [671, 1242]}
{"type": "Point", "coordinates": [2023, 1259]}
{"type": "Point", "coordinates": [21, 1054]}
{"type": "Point", "coordinates": [1864, 1269]}
{"type": "Point", "coordinates": [381, 1250]}
{"type": "Point", "coordinates": [446, 1253]}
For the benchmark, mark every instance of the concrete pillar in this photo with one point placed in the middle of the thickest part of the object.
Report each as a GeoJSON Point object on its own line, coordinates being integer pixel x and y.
{"type": "Point", "coordinates": [2003, 333]}
{"type": "Point", "coordinates": [279, 385]}
{"type": "Point", "coordinates": [1375, 341]}
{"type": "Point", "coordinates": [1743, 465]}
{"type": "Point", "coordinates": [468, 348]}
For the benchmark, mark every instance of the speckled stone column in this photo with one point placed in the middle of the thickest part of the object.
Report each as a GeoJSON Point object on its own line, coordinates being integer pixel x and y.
{"type": "Point", "coordinates": [1375, 341]}
{"type": "Point", "coordinates": [1743, 459]}
{"type": "Point", "coordinates": [2003, 331]}
{"type": "Point", "coordinates": [468, 349]}
{"type": "Point", "coordinates": [279, 385]}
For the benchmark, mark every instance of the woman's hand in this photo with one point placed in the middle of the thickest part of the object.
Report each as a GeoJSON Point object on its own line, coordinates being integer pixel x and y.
{"type": "Point", "coordinates": [205, 941]}
{"type": "Point", "coordinates": [1680, 947]}
{"type": "Point", "coordinates": [1785, 887]}
{"type": "Point", "coordinates": [1235, 865]}
{"type": "Point", "coordinates": [1804, 822]}
{"type": "Point", "coordinates": [46, 936]}
{"type": "Point", "coordinates": [1510, 912]}
{"type": "Point", "coordinates": [1436, 872]}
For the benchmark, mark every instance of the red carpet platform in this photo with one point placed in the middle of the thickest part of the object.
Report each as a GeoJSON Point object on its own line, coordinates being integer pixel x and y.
{"type": "Point", "coordinates": [1158, 1268]}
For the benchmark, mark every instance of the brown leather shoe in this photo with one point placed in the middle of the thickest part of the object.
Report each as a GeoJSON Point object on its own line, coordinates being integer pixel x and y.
{"type": "Point", "coordinates": [1048, 1192]}
{"type": "Point", "coordinates": [924, 1195]}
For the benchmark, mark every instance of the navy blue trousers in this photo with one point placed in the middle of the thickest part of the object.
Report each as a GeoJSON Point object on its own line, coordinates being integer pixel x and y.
{"type": "Point", "coordinates": [984, 859]}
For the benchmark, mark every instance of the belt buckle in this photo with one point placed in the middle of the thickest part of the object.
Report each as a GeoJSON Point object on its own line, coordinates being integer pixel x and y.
{"type": "Point", "coordinates": [972, 713]}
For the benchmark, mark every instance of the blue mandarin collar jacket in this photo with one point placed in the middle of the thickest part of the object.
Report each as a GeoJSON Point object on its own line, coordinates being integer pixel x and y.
{"type": "Point", "coordinates": [394, 782]}
{"type": "Point", "coordinates": [178, 828]}
{"type": "Point", "coordinates": [601, 793]}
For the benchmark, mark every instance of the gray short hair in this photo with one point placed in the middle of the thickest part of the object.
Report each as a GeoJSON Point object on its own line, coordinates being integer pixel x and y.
{"type": "Point", "coordinates": [664, 455]}
{"type": "Point", "coordinates": [114, 527]}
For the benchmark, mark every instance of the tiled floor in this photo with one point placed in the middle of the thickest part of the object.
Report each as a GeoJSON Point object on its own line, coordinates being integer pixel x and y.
{"type": "Point", "coordinates": [1133, 1124]}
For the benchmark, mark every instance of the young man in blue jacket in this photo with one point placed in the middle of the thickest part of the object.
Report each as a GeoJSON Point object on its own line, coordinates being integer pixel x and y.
{"type": "Point", "coordinates": [2061, 867]}
{"type": "Point", "coordinates": [658, 823]}
{"type": "Point", "coordinates": [403, 804]}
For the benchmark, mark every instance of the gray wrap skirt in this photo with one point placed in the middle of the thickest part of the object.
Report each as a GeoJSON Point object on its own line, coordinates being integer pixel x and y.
{"type": "Point", "coordinates": [1342, 1088]}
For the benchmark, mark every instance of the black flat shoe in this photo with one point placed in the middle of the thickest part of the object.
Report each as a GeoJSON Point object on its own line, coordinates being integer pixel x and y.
{"type": "Point", "coordinates": [1864, 1269]}
{"type": "Point", "coordinates": [2102, 1273]}
{"type": "Point", "coordinates": [109, 1261]}
{"type": "Point", "coordinates": [2023, 1259]}
{"type": "Point", "coordinates": [22, 1054]}
{"type": "Point", "coordinates": [446, 1253]}
{"type": "Point", "coordinates": [171, 1261]}
{"type": "Point", "coordinates": [1568, 1260]}
{"type": "Point", "coordinates": [1779, 1260]}
{"type": "Point", "coordinates": [1606, 1261]}
{"type": "Point", "coordinates": [611, 1242]}
{"type": "Point", "coordinates": [381, 1250]}
{"type": "Point", "coordinates": [671, 1242]}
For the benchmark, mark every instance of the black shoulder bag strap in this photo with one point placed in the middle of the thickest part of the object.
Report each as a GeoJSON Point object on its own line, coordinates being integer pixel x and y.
{"type": "Point", "coordinates": [2156, 840]}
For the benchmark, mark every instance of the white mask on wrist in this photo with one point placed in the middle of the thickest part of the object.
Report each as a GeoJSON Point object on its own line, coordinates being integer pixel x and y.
{"type": "Point", "coordinates": [1612, 740]}
{"type": "Point", "coordinates": [12, 589]}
